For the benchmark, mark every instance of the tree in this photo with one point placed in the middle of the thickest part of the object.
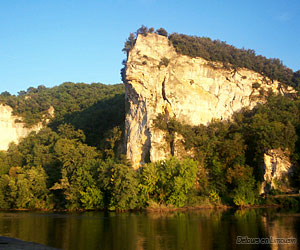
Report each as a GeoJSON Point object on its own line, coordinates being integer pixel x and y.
{"type": "Point", "coordinates": [5, 94]}
{"type": "Point", "coordinates": [68, 131]}
{"type": "Point", "coordinates": [296, 80]}
{"type": "Point", "coordinates": [4, 165]}
{"type": "Point", "coordinates": [215, 50]}
{"type": "Point", "coordinates": [168, 182]}
{"type": "Point", "coordinates": [162, 32]}
{"type": "Point", "coordinates": [78, 175]}
{"type": "Point", "coordinates": [119, 183]}
{"type": "Point", "coordinates": [242, 182]}
{"type": "Point", "coordinates": [113, 137]}
{"type": "Point", "coordinates": [129, 43]}
{"type": "Point", "coordinates": [25, 188]}
{"type": "Point", "coordinates": [143, 30]}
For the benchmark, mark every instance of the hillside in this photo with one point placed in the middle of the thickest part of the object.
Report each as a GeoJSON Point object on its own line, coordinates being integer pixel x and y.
{"type": "Point", "coordinates": [93, 108]}
{"type": "Point", "coordinates": [197, 131]}
{"type": "Point", "coordinates": [159, 80]}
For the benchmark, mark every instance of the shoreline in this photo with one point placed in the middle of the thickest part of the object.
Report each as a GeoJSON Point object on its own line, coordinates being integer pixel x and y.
{"type": "Point", "coordinates": [10, 243]}
{"type": "Point", "coordinates": [149, 209]}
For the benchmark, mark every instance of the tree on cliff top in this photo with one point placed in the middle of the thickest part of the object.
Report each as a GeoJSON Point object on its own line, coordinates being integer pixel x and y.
{"type": "Point", "coordinates": [230, 56]}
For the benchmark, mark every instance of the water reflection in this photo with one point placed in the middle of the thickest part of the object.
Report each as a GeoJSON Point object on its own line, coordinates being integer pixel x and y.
{"type": "Point", "coordinates": [202, 229]}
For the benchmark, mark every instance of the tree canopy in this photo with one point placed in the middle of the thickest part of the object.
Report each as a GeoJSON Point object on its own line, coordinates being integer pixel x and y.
{"type": "Point", "coordinates": [94, 108]}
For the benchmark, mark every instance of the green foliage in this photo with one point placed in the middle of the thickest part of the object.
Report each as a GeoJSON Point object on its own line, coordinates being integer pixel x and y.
{"type": "Point", "coordinates": [296, 80]}
{"type": "Point", "coordinates": [24, 188]}
{"type": "Point", "coordinates": [164, 62]}
{"type": "Point", "coordinates": [85, 115]}
{"type": "Point", "coordinates": [93, 108]}
{"type": "Point", "coordinates": [56, 168]}
{"type": "Point", "coordinates": [168, 182]}
{"type": "Point", "coordinates": [79, 187]}
{"type": "Point", "coordinates": [4, 165]}
{"type": "Point", "coordinates": [228, 147]}
{"type": "Point", "coordinates": [113, 138]}
{"type": "Point", "coordinates": [120, 184]}
{"type": "Point", "coordinates": [215, 50]}
{"type": "Point", "coordinates": [270, 126]}
{"type": "Point", "coordinates": [78, 172]}
{"type": "Point", "coordinates": [68, 131]}
{"type": "Point", "coordinates": [92, 198]}
{"type": "Point", "coordinates": [69, 165]}
{"type": "Point", "coordinates": [130, 42]}
{"type": "Point", "coordinates": [162, 32]}
{"type": "Point", "coordinates": [243, 185]}
{"type": "Point", "coordinates": [75, 163]}
{"type": "Point", "coordinates": [202, 183]}
{"type": "Point", "coordinates": [256, 85]}
{"type": "Point", "coordinates": [228, 55]}
{"type": "Point", "coordinates": [143, 30]}
{"type": "Point", "coordinates": [214, 197]}
{"type": "Point", "coordinates": [217, 176]}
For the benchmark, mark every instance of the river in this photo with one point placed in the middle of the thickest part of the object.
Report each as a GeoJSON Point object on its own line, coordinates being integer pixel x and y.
{"type": "Point", "coordinates": [201, 229]}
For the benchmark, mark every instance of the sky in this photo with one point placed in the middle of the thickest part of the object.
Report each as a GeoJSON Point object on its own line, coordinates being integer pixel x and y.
{"type": "Point", "coordinates": [48, 42]}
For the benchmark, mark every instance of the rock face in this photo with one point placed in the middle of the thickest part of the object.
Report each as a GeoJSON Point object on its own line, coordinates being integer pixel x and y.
{"type": "Point", "coordinates": [195, 91]}
{"type": "Point", "coordinates": [11, 129]}
{"type": "Point", "coordinates": [277, 170]}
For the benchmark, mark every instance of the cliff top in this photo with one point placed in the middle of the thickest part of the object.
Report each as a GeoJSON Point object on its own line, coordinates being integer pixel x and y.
{"type": "Point", "coordinates": [216, 51]}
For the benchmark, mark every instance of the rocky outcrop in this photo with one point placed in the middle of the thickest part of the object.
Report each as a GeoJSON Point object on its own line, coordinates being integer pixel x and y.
{"type": "Point", "coordinates": [277, 169]}
{"type": "Point", "coordinates": [195, 91]}
{"type": "Point", "coordinates": [12, 129]}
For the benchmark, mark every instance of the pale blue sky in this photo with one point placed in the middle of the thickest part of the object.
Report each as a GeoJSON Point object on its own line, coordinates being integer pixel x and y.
{"type": "Point", "coordinates": [47, 42]}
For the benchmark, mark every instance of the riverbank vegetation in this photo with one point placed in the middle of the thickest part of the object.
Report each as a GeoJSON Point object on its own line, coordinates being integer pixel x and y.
{"type": "Point", "coordinates": [60, 168]}
{"type": "Point", "coordinates": [230, 153]}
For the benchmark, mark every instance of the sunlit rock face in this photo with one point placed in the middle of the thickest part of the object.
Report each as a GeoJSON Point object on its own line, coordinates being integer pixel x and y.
{"type": "Point", "coordinates": [277, 169]}
{"type": "Point", "coordinates": [195, 91]}
{"type": "Point", "coordinates": [11, 127]}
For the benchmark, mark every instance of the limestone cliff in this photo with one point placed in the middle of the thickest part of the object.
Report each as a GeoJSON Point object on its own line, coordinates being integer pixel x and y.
{"type": "Point", "coordinates": [11, 127]}
{"type": "Point", "coordinates": [277, 169]}
{"type": "Point", "coordinates": [158, 80]}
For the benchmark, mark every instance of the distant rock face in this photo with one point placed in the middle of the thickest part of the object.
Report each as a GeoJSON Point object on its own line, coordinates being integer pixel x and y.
{"type": "Point", "coordinates": [277, 170]}
{"type": "Point", "coordinates": [195, 91]}
{"type": "Point", "coordinates": [11, 127]}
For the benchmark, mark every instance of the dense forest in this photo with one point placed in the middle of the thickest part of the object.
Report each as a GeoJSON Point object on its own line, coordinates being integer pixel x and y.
{"type": "Point", "coordinates": [230, 153]}
{"type": "Point", "coordinates": [94, 108]}
{"type": "Point", "coordinates": [58, 168]}
{"type": "Point", "coordinates": [76, 161]}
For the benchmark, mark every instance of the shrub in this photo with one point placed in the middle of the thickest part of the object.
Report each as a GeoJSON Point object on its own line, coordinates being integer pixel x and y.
{"type": "Point", "coordinates": [255, 85]}
{"type": "Point", "coordinates": [168, 182]}
{"type": "Point", "coordinates": [164, 62]}
{"type": "Point", "coordinates": [119, 183]}
{"type": "Point", "coordinates": [162, 32]}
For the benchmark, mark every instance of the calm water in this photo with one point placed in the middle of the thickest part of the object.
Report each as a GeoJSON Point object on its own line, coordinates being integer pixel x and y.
{"type": "Point", "coordinates": [204, 229]}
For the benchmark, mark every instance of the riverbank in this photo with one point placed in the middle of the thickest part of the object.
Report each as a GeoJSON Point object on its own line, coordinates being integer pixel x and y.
{"type": "Point", "coordinates": [282, 200]}
{"type": "Point", "coordinates": [8, 243]}
{"type": "Point", "coordinates": [147, 209]}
